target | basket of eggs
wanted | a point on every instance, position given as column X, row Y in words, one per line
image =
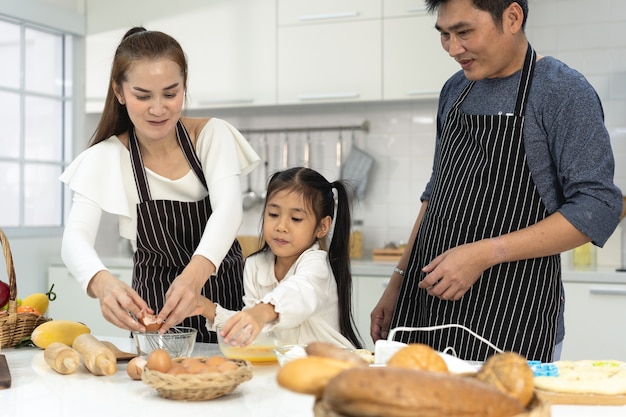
column 15, row 325
column 190, row 378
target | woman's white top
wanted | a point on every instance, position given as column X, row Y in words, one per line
column 102, row 179
column 305, row 297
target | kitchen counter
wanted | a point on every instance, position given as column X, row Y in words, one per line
column 37, row 389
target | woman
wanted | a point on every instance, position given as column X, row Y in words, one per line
column 174, row 184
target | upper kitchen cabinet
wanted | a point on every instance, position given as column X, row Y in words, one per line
column 331, row 59
column 296, row 12
column 399, row 8
column 414, row 63
column 230, row 46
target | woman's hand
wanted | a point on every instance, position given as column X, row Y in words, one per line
column 120, row 304
column 184, row 297
column 380, row 318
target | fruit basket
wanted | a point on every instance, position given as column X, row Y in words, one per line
column 15, row 326
column 197, row 387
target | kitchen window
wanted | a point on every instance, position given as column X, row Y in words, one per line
column 36, row 117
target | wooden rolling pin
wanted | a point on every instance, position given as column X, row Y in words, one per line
column 98, row 358
column 61, row 358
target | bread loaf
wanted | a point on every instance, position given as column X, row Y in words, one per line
column 327, row 350
column 311, row 374
column 418, row 356
column 509, row 372
column 397, row 392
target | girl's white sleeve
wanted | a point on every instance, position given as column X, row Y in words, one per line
column 77, row 247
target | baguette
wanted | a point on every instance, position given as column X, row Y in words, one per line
column 326, row 350
column 398, row 392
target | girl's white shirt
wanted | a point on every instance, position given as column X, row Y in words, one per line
column 305, row 297
column 102, row 179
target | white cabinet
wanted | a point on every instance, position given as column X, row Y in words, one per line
column 396, row 8
column 414, row 63
column 330, row 62
column 73, row 304
column 595, row 318
column 230, row 47
column 367, row 290
column 292, row 12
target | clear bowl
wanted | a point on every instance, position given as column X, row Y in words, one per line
column 262, row 349
column 177, row 341
column 288, row 353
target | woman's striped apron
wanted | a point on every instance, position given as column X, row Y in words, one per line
column 483, row 188
column 168, row 233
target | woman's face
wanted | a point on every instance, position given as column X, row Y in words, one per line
column 153, row 94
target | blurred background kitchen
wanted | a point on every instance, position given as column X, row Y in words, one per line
column 330, row 83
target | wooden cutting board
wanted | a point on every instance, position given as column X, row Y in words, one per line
column 5, row 374
column 563, row 398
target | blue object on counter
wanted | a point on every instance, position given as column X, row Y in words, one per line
column 543, row 369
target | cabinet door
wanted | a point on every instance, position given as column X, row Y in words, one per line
column 367, row 292
column 414, row 63
column 398, row 8
column 292, row 12
column 231, row 49
column 329, row 62
column 73, row 304
column 595, row 318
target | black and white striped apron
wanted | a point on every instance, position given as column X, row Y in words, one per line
column 168, row 233
column 483, row 188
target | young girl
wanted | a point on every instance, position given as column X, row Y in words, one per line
column 293, row 280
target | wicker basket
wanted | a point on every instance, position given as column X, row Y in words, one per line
column 197, row 387
column 15, row 327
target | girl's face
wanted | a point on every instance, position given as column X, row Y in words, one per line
column 289, row 225
column 153, row 94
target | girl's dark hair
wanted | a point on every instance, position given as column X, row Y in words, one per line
column 318, row 195
column 137, row 44
column 495, row 7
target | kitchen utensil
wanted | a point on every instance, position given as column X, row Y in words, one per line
column 119, row 355
column 5, row 374
column 177, row 341
column 356, row 169
column 249, row 197
column 307, row 151
column 285, row 152
column 13, row 326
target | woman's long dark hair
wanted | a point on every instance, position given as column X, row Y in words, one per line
column 318, row 195
column 137, row 44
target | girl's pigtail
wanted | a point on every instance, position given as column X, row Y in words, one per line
column 339, row 256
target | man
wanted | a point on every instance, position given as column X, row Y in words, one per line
column 523, row 170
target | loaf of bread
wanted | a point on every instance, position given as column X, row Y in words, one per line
column 310, row 375
column 418, row 356
column 397, row 392
column 327, row 350
column 509, row 372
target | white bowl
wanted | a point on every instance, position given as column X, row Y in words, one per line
column 288, row 353
column 177, row 341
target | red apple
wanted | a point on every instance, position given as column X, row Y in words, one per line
column 4, row 293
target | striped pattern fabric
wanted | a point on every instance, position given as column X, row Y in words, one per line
column 168, row 233
column 483, row 188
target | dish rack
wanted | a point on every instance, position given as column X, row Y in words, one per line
column 14, row 326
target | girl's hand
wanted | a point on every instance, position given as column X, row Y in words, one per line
column 120, row 304
column 242, row 328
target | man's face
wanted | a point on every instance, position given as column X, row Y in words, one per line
column 473, row 39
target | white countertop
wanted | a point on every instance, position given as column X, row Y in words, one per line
column 38, row 389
